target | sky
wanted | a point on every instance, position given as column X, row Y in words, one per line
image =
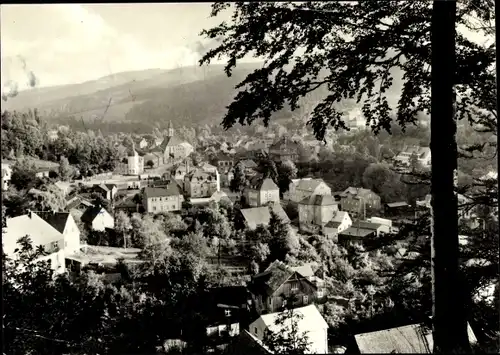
column 55, row 44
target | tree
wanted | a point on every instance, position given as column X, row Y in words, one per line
column 281, row 242
column 150, row 164
column 65, row 170
column 239, row 180
column 123, row 227
column 286, row 336
column 23, row 174
column 48, row 198
column 355, row 35
column 286, row 172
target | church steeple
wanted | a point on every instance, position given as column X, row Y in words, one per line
column 170, row 129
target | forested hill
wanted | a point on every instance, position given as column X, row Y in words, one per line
column 188, row 96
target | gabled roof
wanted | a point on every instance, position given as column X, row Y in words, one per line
column 310, row 321
column 169, row 142
column 319, row 200
column 258, row 182
column 357, row 192
column 410, row 339
column 76, row 201
column 39, row 231
column 262, row 215
column 91, row 213
column 58, row 220
column 171, row 189
column 271, row 279
column 308, row 185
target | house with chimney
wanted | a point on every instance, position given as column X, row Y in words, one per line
column 299, row 189
column 260, row 191
column 284, row 149
column 316, row 211
column 357, row 201
column 254, row 216
column 163, row 199
column 202, row 181
column 56, row 232
column 280, row 286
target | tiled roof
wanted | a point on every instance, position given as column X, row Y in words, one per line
column 357, row 232
column 319, row 200
column 169, row 142
column 172, row 189
column 333, row 224
column 271, row 279
column 261, row 215
column 57, row 220
column 39, row 231
column 257, row 182
column 356, row 191
column 91, row 213
column 308, row 185
column 410, row 339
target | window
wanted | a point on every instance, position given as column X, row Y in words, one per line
column 256, row 331
column 227, row 312
column 320, row 293
column 284, row 303
column 154, row 208
column 295, row 287
column 306, row 299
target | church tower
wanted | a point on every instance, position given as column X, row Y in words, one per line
column 170, row 129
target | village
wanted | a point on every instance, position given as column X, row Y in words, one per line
column 170, row 177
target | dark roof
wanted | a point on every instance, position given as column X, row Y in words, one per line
column 333, row 224
column 228, row 295
column 397, row 204
column 269, row 281
column 169, row 142
column 57, row 220
column 91, row 213
column 266, row 184
column 105, row 187
column 308, row 185
column 358, row 192
column 76, row 201
column 171, row 189
column 357, row 232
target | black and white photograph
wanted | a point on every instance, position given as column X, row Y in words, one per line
column 250, row 178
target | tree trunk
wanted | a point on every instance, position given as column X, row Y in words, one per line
column 449, row 320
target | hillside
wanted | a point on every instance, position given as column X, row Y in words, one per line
column 187, row 96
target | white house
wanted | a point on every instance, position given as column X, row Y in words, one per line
column 300, row 189
column 339, row 223
column 135, row 163
column 6, row 176
column 423, row 155
column 311, row 324
column 98, row 218
column 56, row 232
